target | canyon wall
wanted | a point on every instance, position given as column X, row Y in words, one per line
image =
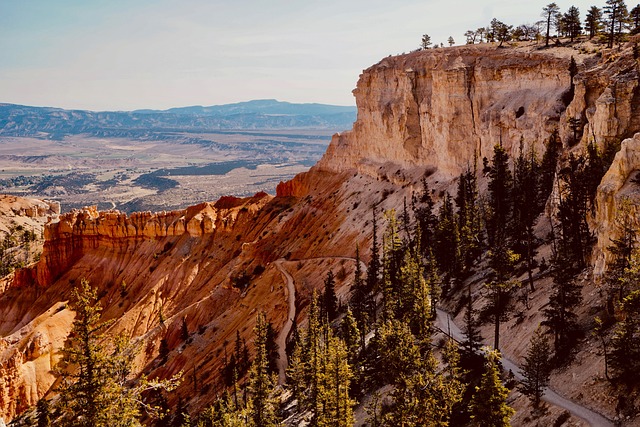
column 440, row 108
column 617, row 201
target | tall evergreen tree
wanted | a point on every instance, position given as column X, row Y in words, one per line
column 489, row 403
column 501, row 258
column 263, row 404
column 447, row 242
column 469, row 219
column 500, row 197
column 525, row 195
column 536, row 369
column 614, row 12
column 548, row 169
column 593, row 21
column 94, row 388
column 625, row 345
column 473, row 338
column 373, row 269
column 621, row 252
column 351, row 336
column 360, row 300
column 571, row 23
column 560, row 316
column 634, row 17
column 550, row 13
column 574, row 190
column 393, row 255
column 85, row 368
column 423, row 208
column 329, row 298
column 502, row 261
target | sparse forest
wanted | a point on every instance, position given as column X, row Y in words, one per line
column 609, row 24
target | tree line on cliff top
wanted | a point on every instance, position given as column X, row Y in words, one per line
column 609, row 24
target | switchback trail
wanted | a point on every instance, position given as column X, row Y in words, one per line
column 281, row 340
column 446, row 324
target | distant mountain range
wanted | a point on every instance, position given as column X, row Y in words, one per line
column 55, row 123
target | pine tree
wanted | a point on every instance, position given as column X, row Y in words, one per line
column 489, row 403
column 576, row 185
column 338, row 410
column 621, row 252
column 469, row 219
column 634, row 16
column 502, row 261
column 525, row 194
column 43, row 413
column 447, row 243
column 263, row 404
column 329, row 299
column 548, row 169
column 550, row 13
column 423, row 210
column 351, row 336
column 425, row 43
column 85, row 371
column 593, row 21
column 536, row 368
column 500, row 197
column 625, row 345
column 95, row 388
column 373, row 269
column 614, row 11
column 360, row 300
column 560, row 316
column 571, row 23
column 393, row 255
column 414, row 302
column 473, row 339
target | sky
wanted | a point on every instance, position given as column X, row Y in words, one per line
column 131, row 54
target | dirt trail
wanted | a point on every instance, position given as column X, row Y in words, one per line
column 281, row 340
column 446, row 324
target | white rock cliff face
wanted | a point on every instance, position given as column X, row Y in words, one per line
column 440, row 108
column 617, row 188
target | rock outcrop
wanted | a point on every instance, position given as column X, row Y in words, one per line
column 79, row 231
column 617, row 200
column 441, row 108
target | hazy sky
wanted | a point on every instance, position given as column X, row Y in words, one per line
column 127, row 54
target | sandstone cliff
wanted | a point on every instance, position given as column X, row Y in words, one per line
column 439, row 109
column 617, row 200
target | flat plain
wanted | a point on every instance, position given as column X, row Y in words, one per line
column 157, row 170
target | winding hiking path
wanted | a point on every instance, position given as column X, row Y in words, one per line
column 446, row 324
column 281, row 340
